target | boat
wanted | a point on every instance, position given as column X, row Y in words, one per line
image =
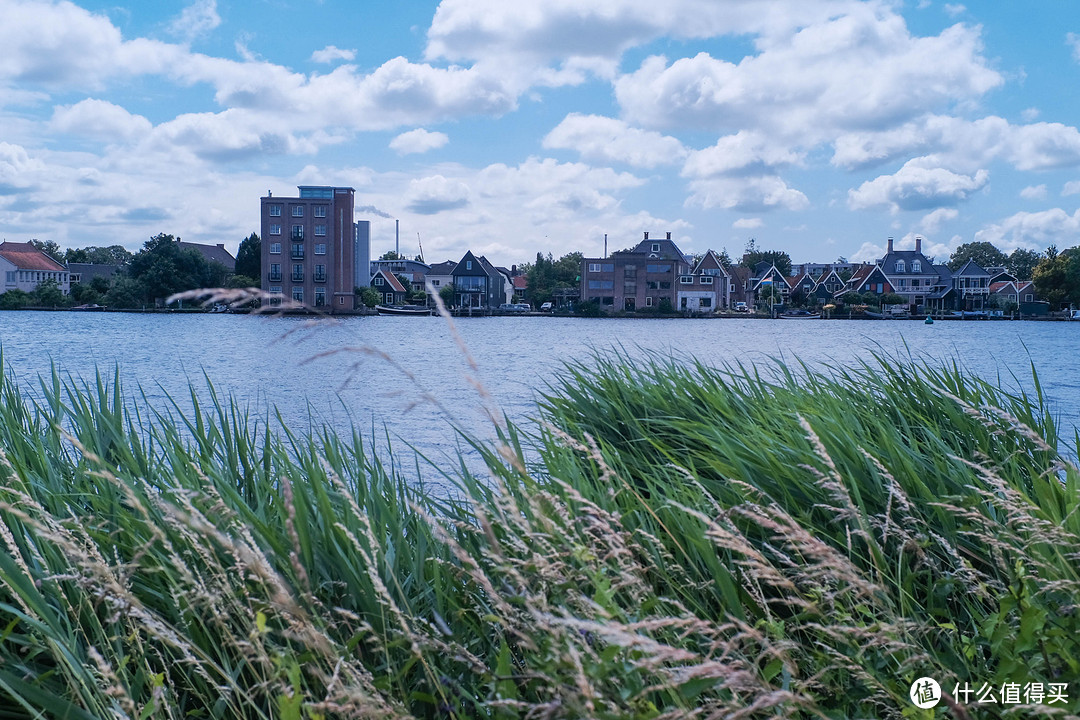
column 402, row 310
column 92, row 307
column 800, row 315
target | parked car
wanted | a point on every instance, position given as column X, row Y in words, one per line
column 514, row 308
column 741, row 307
column 547, row 307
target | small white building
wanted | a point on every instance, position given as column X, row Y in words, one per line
column 24, row 267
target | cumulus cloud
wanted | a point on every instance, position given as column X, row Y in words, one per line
column 748, row 223
column 1033, row 192
column 609, row 140
column 1033, row 230
column 330, row 53
column 861, row 70
column 867, row 253
column 747, row 194
column 436, row 194
column 917, row 187
column 100, row 120
column 932, row 222
column 1073, row 41
column 746, row 152
column 418, row 141
column 1071, row 188
column 197, row 19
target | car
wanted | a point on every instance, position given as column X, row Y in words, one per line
column 514, row 308
column 741, row 307
column 547, row 307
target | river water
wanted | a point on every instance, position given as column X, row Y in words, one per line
column 402, row 377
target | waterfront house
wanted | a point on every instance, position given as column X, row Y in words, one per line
column 478, row 284
column 828, row 285
column 439, row 275
column 971, row 287
column 740, row 285
column 521, row 288
column 86, row 273
column 642, row 277
column 212, row 253
column 413, row 270
column 767, row 276
column 389, row 287
column 867, row 278
column 910, row 273
column 24, row 267
column 706, row 288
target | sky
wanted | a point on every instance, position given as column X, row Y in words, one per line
column 816, row 127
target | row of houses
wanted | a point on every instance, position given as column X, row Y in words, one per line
column 656, row 272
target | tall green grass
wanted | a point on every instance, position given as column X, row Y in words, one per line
column 674, row 540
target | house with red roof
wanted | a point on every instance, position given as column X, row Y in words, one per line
column 389, row 287
column 24, row 267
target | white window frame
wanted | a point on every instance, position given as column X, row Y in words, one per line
column 900, row 266
column 275, row 229
column 916, row 266
column 594, row 267
column 378, row 281
column 648, row 301
column 706, row 280
column 298, row 211
column 275, row 211
column 686, row 279
column 320, row 230
column 656, row 247
column 275, row 248
column 319, row 211
column 320, row 248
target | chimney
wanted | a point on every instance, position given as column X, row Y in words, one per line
column 646, row 234
column 669, row 235
column 221, row 245
column 918, row 244
column 890, row 246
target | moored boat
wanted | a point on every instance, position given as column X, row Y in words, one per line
column 402, row 310
column 800, row 315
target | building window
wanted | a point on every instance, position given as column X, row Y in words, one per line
column 298, row 294
column 656, row 247
column 11, row 276
column 601, row 284
column 665, row 285
column 297, row 232
column 686, row 279
column 657, row 268
column 297, row 272
column 275, row 229
column 899, row 266
column 648, row 302
column 275, row 272
column 320, row 273
column 320, row 296
column 706, row 302
column 275, row 211
column 706, row 279
column 389, row 297
column 378, row 281
column 319, row 211
column 1028, row 297
column 320, row 248
column 468, row 264
column 298, row 211
column 320, row 230
column 630, row 271
column 298, row 251
column 275, row 248
column 594, row 267
column 916, row 266
column 275, row 289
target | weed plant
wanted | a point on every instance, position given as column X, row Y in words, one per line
column 684, row 541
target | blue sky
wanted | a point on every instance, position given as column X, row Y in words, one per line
column 818, row 127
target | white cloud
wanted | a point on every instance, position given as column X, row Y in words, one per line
column 1073, row 41
column 1071, row 188
column 917, row 187
column 867, row 253
column 330, row 53
column 608, row 140
column 418, row 141
column 859, row 71
column 436, row 194
column 100, row 120
column 932, row 222
column 748, row 223
column 954, row 9
column 197, row 19
column 746, row 152
column 746, row 194
column 1033, row 192
column 1033, row 230
column 1030, row 114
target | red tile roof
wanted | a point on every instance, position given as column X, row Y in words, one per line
column 391, row 280
column 521, row 282
column 27, row 257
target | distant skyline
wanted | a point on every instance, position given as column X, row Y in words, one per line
column 817, row 127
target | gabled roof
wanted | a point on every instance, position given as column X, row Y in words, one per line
column 1025, row 286
column 213, row 253
column 1002, row 286
column 443, row 268
column 390, row 279
column 824, row 278
column 971, row 269
column 25, row 256
column 668, row 249
column 797, row 280
column 888, row 263
column 521, row 282
column 710, row 260
column 769, row 272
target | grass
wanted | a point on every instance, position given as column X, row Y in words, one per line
column 682, row 541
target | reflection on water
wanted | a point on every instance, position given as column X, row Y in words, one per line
column 408, row 376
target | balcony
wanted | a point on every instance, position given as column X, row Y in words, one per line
column 274, row 277
column 298, row 277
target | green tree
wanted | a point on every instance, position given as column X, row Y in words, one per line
column 370, row 297
column 249, row 258
column 48, row 294
column 242, row 281
column 14, row 299
column 547, row 275
column 752, row 256
column 162, row 268
column 892, row 299
column 1057, row 277
column 446, row 292
column 1021, row 263
column 111, row 255
column 984, row 254
column 391, row 255
column 124, row 292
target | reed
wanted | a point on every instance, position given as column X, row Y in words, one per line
column 670, row 540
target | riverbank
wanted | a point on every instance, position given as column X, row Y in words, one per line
column 682, row 539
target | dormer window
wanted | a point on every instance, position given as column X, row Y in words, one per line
column 916, row 266
column 899, row 266
column 656, row 247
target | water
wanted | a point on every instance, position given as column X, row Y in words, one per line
column 405, row 376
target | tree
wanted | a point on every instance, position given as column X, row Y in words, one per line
column 242, row 281
column 984, row 254
column 446, row 292
column 1021, row 263
column 48, row 294
column 124, row 293
column 370, row 297
column 1057, row 277
column 892, row 299
column 163, row 268
column 547, row 275
column 111, row 255
column 14, row 299
column 391, row 255
column 752, row 257
column 249, row 258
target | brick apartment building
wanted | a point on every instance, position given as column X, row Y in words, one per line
column 635, row 279
column 309, row 247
